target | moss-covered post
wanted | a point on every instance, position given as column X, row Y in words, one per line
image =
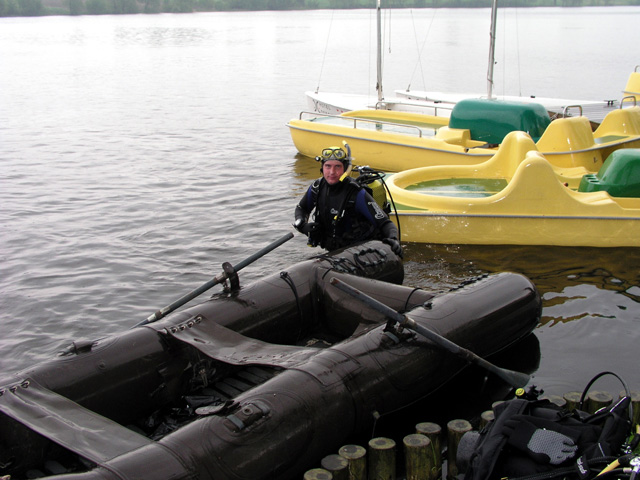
column 455, row 430
column 382, row 459
column 434, row 433
column 337, row 465
column 597, row 400
column 317, row 474
column 357, row 457
column 417, row 456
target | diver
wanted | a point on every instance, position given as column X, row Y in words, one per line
column 345, row 212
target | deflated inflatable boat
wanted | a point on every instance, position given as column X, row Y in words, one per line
column 256, row 382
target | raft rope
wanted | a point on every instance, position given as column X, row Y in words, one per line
column 339, row 264
column 324, row 56
column 289, row 281
column 406, row 303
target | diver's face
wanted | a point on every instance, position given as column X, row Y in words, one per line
column 332, row 170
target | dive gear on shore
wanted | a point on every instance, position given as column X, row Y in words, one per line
column 533, row 438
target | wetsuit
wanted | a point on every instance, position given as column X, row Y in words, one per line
column 345, row 213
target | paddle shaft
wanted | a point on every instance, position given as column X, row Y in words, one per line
column 214, row 281
column 515, row 379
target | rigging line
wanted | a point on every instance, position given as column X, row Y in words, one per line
column 504, row 52
column 518, row 51
column 326, row 47
column 369, row 68
column 386, row 29
column 420, row 50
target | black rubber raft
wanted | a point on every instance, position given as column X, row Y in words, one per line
column 256, row 382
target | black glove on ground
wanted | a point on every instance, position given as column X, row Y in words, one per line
column 542, row 445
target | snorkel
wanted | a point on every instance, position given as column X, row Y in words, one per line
column 347, row 170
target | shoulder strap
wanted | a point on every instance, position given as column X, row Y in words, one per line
column 485, row 456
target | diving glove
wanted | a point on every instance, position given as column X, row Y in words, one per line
column 299, row 224
column 305, row 227
column 394, row 244
column 309, row 228
column 542, row 445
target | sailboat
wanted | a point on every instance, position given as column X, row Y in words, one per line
column 441, row 103
column 338, row 103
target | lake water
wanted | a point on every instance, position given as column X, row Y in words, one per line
column 138, row 153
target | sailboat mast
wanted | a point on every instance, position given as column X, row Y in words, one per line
column 379, row 58
column 492, row 49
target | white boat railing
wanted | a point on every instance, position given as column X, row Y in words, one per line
column 363, row 123
column 422, row 105
column 629, row 98
column 565, row 110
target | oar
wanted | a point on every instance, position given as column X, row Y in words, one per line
column 214, row 281
column 515, row 379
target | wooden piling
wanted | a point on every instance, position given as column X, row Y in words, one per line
column 382, row 459
column 485, row 417
column 596, row 400
column 357, row 458
column 572, row 399
column 317, row 474
column 417, row 456
column 455, row 430
column 434, row 433
column 337, row 465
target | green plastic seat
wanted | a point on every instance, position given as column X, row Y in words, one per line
column 491, row 120
column 619, row 175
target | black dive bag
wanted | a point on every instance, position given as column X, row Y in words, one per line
column 536, row 439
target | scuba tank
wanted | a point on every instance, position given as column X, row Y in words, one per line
column 373, row 181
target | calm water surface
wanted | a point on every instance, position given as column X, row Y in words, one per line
column 138, row 153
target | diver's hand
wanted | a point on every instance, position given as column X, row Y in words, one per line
column 394, row 244
column 309, row 228
column 299, row 224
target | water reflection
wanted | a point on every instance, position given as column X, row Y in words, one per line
column 591, row 310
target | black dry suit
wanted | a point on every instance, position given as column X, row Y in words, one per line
column 345, row 213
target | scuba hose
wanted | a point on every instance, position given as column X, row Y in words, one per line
column 593, row 380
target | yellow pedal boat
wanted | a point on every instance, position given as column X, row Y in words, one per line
column 519, row 198
column 395, row 141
